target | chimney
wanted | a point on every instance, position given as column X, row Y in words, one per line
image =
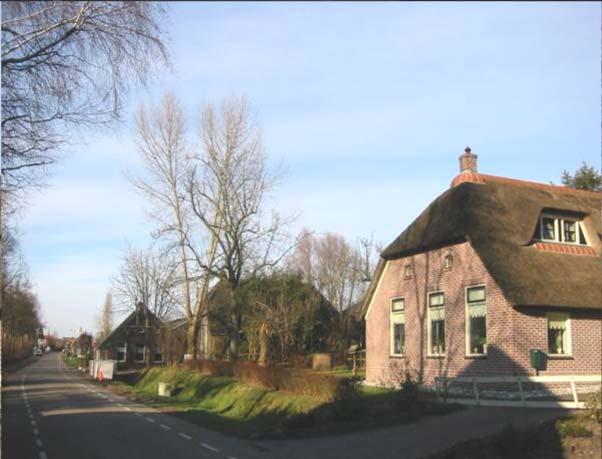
column 468, row 161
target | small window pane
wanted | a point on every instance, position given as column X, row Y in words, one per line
column 157, row 357
column 436, row 299
column 139, row 353
column 448, row 262
column 397, row 305
column 558, row 333
column 437, row 336
column 121, row 354
column 570, row 231
column 478, row 334
column 476, row 294
column 548, row 230
column 398, row 338
column 408, row 270
column 582, row 239
column 537, row 233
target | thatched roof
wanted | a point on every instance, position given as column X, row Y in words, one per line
column 498, row 216
column 137, row 317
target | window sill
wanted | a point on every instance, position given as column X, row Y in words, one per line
column 397, row 356
column 560, row 357
column 436, row 356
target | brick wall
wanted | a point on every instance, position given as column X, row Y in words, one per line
column 511, row 332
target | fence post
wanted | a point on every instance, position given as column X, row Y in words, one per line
column 574, row 389
column 520, row 390
column 475, row 390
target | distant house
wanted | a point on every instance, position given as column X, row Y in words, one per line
column 492, row 268
column 82, row 345
column 135, row 342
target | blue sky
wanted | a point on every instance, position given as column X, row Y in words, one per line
column 367, row 105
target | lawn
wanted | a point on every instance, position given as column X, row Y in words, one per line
column 227, row 405
column 74, row 362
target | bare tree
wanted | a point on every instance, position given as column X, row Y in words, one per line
column 338, row 270
column 149, row 277
column 66, row 65
column 227, row 188
column 163, row 147
column 107, row 316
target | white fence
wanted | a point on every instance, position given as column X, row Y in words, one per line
column 441, row 386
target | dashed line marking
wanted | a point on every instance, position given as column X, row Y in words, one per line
column 36, row 431
column 33, row 423
column 183, row 435
column 150, row 420
column 138, row 414
column 43, row 455
column 163, row 426
column 39, row 442
column 209, row 447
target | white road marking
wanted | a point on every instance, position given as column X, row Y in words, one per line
column 209, row 447
column 36, row 432
column 128, row 408
column 183, row 435
column 43, row 455
column 33, row 423
column 163, row 426
column 138, row 414
column 39, row 442
column 150, row 419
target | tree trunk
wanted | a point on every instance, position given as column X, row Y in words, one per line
column 192, row 337
column 264, row 345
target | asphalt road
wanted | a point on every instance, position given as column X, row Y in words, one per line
column 50, row 413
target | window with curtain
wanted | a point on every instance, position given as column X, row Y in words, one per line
column 476, row 308
column 398, row 326
column 436, row 321
column 558, row 334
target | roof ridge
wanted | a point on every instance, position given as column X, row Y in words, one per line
column 541, row 185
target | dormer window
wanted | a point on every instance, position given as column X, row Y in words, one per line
column 555, row 228
column 448, row 262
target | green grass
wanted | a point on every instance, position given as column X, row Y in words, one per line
column 74, row 362
column 224, row 404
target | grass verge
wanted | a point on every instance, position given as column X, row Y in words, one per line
column 227, row 405
column 74, row 362
column 576, row 437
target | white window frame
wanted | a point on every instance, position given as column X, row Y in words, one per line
column 429, row 353
column 136, row 353
column 559, row 229
column 469, row 352
column 569, row 339
column 125, row 352
column 392, row 314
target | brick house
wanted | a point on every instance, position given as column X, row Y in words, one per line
column 492, row 268
column 135, row 342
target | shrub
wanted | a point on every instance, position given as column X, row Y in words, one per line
column 296, row 381
column 593, row 406
column 572, row 427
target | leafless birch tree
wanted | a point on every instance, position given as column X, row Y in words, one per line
column 67, row 65
column 107, row 316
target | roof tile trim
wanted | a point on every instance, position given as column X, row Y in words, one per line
column 563, row 248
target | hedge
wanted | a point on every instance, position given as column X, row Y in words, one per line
column 302, row 382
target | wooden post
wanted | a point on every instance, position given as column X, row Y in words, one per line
column 475, row 390
column 574, row 389
column 520, row 390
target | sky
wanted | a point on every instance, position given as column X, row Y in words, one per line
column 367, row 106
